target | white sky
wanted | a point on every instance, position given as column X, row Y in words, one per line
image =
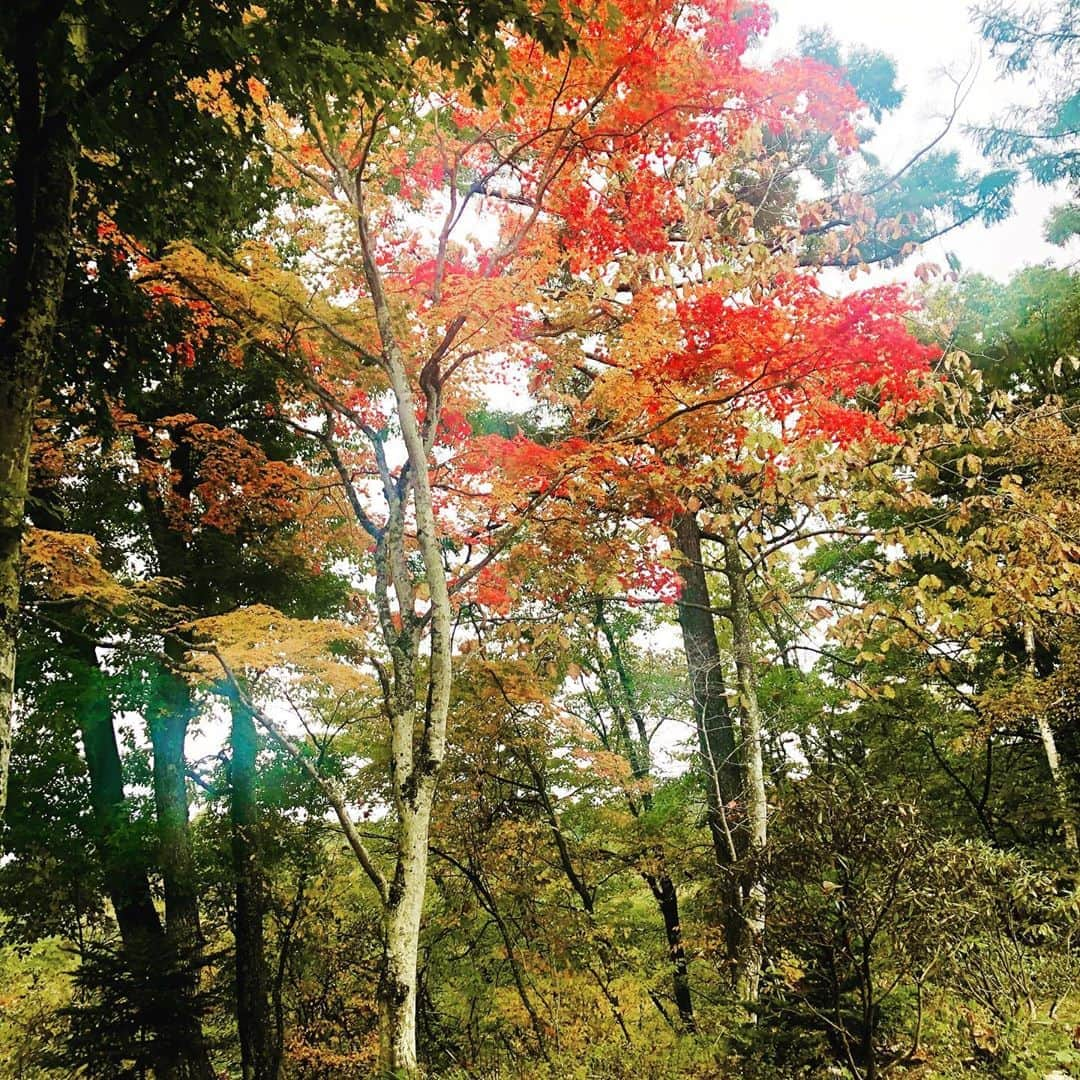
column 930, row 40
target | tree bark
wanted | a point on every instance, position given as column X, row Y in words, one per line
column 667, row 899
column 754, row 797
column 1057, row 780
column 415, row 762
column 259, row 1056
column 712, row 715
column 717, row 744
column 401, row 928
column 168, row 716
column 1053, row 761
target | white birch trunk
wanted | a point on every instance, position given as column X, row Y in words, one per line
column 401, row 927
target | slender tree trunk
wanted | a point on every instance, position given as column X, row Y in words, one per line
column 754, row 797
column 667, row 899
column 42, row 193
column 717, row 743
column 416, row 762
column 401, row 927
column 168, row 717
column 259, row 1059
column 14, row 444
column 1053, row 761
column 580, row 886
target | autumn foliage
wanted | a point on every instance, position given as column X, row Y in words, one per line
column 561, row 541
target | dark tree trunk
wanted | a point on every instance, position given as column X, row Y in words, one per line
column 717, row 743
column 145, row 944
column 660, row 883
column 259, row 1057
column 125, row 872
column 42, row 193
column 712, row 715
column 168, row 716
column 667, row 899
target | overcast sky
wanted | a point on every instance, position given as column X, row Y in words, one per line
column 931, row 40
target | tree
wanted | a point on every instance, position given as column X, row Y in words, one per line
column 731, row 433
column 207, row 502
column 985, row 540
column 453, row 636
column 1041, row 42
column 70, row 88
column 428, row 306
column 98, row 103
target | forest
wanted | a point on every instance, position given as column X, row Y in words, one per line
column 519, row 560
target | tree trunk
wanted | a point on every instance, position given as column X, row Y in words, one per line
column 401, row 928
column 667, row 899
column 125, row 877
column 14, row 444
column 581, row 887
column 416, row 762
column 717, row 744
column 712, row 715
column 754, row 798
column 168, row 716
column 1053, row 761
column 259, row 1059
column 146, row 947
column 42, row 192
